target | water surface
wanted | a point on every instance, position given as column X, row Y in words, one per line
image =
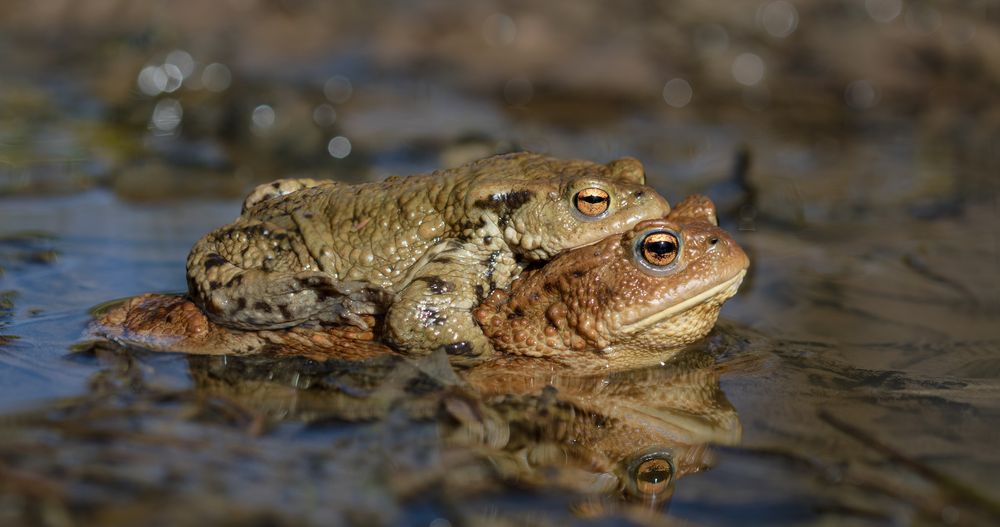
column 854, row 380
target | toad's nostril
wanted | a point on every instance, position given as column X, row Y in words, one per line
column 713, row 241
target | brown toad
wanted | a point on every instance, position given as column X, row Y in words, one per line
column 626, row 300
column 424, row 250
column 631, row 299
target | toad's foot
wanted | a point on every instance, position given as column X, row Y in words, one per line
column 435, row 310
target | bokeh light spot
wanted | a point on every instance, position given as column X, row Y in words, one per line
column 152, row 80
column 216, row 77
column 338, row 89
column 167, row 115
column 174, row 77
column 712, row 39
column 884, row 11
column 779, row 18
column 499, row 30
column 861, row 95
column 182, row 60
column 339, row 147
column 677, row 93
column 324, row 115
column 262, row 118
column 748, row 69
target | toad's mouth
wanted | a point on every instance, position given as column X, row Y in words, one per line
column 680, row 307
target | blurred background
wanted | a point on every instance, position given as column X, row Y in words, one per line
column 853, row 148
column 845, row 107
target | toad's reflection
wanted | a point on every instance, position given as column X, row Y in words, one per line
column 621, row 436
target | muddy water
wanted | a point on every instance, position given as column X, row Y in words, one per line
column 854, row 380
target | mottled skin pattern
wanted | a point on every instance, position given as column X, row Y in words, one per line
column 424, row 250
column 594, row 307
column 601, row 303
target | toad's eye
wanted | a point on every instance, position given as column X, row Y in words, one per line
column 650, row 476
column 653, row 476
column 592, row 201
column 659, row 249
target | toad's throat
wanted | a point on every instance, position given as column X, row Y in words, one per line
column 681, row 307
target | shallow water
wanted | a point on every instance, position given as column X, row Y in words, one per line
column 855, row 379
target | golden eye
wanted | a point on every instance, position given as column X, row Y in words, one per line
column 592, row 201
column 659, row 248
column 653, row 476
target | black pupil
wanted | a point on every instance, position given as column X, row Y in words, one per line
column 655, row 475
column 661, row 247
column 593, row 199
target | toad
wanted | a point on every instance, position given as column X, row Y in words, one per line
column 422, row 250
column 629, row 300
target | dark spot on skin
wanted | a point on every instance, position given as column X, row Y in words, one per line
column 235, row 281
column 550, row 287
column 443, row 259
column 307, row 215
column 577, row 274
column 437, row 285
column 213, row 260
column 459, row 348
column 505, row 204
column 241, row 303
column 480, row 292
column 323, row 294
column 214, row 284
column 604, row 294
column 276, row 185
column 310, row 282
column 517, row 313
column 490, row 262
column 376, row 295
column 285, row 312
column 262, row 306
column 430, row 317
column 512, row 200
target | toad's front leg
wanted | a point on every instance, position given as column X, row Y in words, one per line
column 435, row 309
